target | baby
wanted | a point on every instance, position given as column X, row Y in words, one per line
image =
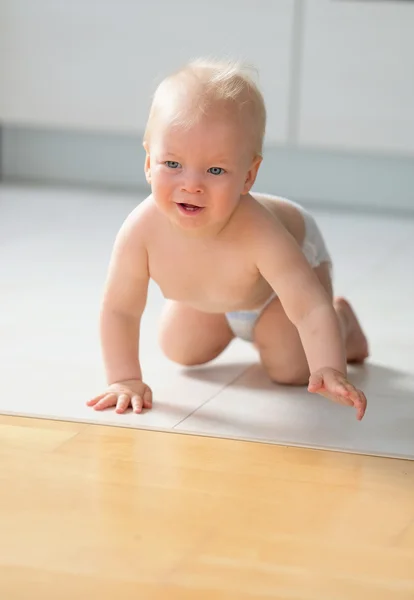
column 230, row 262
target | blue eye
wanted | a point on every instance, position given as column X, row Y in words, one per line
column 216, row 171
column 172, row 164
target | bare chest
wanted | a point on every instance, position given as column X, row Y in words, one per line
column 212, row 280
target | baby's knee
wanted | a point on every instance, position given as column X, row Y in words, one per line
column 185, row 360
column 174, row 351
column 187, row 355
column 178, row 356
column 288, row 374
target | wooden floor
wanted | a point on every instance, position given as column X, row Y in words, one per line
column 117, row 513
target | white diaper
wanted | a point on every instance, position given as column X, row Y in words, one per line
column 242, row 322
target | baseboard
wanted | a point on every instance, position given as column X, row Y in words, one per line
column 310, row 176
column 72, row 157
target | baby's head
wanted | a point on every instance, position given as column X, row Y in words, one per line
column 204, row 140
column 204, row 88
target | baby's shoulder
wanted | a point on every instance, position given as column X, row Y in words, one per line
column 278, row 214
column 259, row 216
column 141, row 218
column 135, row 231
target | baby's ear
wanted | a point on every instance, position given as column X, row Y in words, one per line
column 252, row 174
column 147, row 164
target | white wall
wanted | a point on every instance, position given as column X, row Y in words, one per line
column 337, row 73
column 93, row 64
column 76, row 78
column 357, row 85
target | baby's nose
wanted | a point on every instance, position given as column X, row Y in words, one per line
column 192, row 185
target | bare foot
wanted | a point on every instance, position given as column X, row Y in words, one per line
column 356, row 342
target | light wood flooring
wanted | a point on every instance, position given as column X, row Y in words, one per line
column 120, row 513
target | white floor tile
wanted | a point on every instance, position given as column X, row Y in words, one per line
column 253, row 408
column 54, row 250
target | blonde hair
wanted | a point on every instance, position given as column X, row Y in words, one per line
column 203, row 84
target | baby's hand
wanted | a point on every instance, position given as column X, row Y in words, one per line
column 122, row 394
column 333, row 385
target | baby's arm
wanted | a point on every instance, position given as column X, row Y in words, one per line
column 310, row 308
column 305, row 301
column 123, row 303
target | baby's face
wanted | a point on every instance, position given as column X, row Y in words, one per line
column 198, row 175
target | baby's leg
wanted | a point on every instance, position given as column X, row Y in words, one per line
column 279, row 344
column 190, row 337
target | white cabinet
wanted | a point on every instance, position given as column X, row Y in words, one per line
column 357, row 79
column 93, row 65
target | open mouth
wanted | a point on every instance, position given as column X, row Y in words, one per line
column 189, row 208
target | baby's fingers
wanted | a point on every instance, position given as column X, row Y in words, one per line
column 357, row 398
column 123, row 403
column 338, row 398
column 360, row 404
column 147, row 398
column 315, row 382
column 342, row 389
column 105, row 401
column 95, row 400
column 137, row 403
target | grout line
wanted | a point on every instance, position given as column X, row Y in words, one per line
column 213, row 396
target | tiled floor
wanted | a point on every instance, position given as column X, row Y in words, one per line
column 55, row 246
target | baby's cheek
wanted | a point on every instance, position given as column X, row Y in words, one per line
column 161, row 184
